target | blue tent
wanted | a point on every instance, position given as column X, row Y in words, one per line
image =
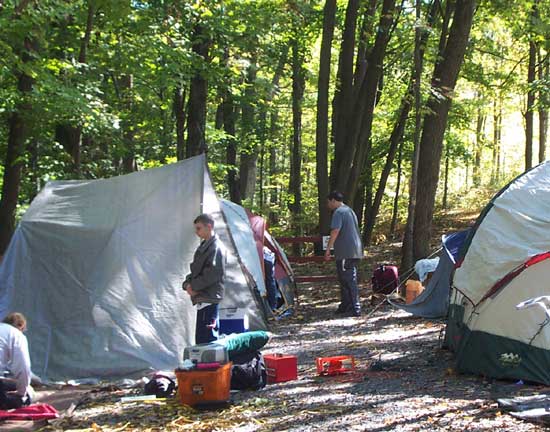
column 433, row 302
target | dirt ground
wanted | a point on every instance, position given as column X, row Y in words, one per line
column 404, row 380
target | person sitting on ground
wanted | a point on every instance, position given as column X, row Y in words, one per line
column 205, row 283
column 14, row 356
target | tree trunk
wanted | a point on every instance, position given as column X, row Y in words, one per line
column 70, row 135
column 395, row 210
column 295, row 185
column 321, row 133
column 343, row 96
column 363, row 46
column 198, row 96
column 435, row 121
column 359, row 130
column 18, row 130
column 544, row 101
column 421, row 38
column 128, row 160
column 273, row 216
column 395, row 139
column 229, row 122
column 268, row 134
column 480, row 126
column 531, row 76
column 497, row 121
column 179, row 113
column 249, row 152
column 446, row 182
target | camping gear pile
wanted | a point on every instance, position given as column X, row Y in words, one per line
column 209, row 371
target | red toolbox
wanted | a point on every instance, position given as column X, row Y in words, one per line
column 204, row 387
column 281, row 367
column 335, row 365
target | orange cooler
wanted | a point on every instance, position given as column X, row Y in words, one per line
column 413, row 289
column 198, row 387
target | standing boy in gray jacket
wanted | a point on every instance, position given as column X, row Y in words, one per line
column 205, row 282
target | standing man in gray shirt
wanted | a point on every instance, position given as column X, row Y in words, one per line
column 348, row 251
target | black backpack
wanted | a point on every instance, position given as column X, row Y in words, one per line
column 248, row 372
column 160, row 385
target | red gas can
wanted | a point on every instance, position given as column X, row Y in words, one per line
column 281, row 367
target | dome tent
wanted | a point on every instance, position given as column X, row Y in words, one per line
column 505, row 261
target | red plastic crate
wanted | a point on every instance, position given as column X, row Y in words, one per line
column 281, row 367
column 335, row 365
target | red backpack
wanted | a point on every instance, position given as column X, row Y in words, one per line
column 385, row 279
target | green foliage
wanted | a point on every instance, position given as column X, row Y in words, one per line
column 151, row 41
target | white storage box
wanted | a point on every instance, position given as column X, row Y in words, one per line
column 206, row 353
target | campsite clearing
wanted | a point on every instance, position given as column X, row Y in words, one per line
column 404, row 381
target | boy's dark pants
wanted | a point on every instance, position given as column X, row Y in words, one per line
column 207, row 324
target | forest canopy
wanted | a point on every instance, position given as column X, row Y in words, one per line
column 404, row 106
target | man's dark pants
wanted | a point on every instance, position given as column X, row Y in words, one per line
column 207, row 324
column 349, row 292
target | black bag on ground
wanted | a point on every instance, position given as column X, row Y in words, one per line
column 248, row 372
column 160, row 385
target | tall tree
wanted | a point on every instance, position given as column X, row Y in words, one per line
column 198, row 94
column 435, row 121
column 359, row 125
column 321, row 135
column 69, row 135
column 298, row 88
column 543, row 76
column 249, row 151
column 18, row 130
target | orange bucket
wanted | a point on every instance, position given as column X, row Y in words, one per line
column 413, row 290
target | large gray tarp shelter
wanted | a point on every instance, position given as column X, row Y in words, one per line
column 96, row 266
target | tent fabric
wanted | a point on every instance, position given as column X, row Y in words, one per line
column 517, row 225
column 505, row 262
column 243, row 235
column 96, row 266
column 433, row 302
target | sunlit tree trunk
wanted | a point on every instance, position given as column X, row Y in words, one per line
column 544, row 101
column 531, row 92
column 478, row 146
column 497, row 122
column 529, row 109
